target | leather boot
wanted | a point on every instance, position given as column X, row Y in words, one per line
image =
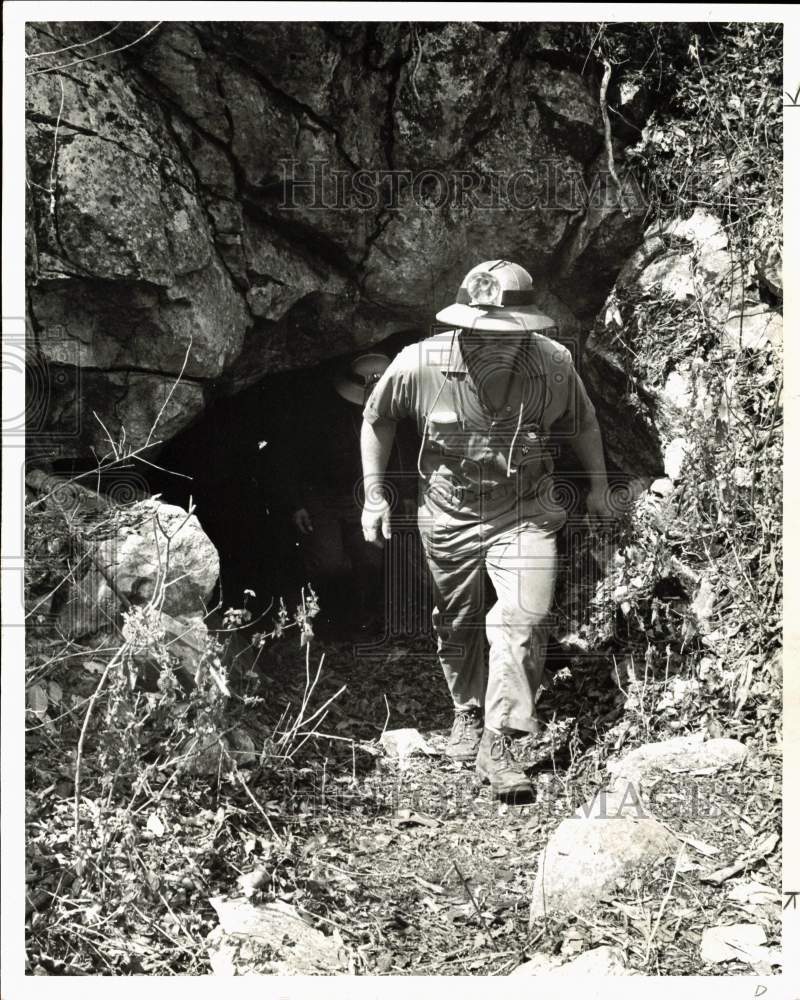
column 496, row 765
column 465, row 736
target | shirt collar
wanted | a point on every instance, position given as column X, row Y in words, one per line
column 451, row 360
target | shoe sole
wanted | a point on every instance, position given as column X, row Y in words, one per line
column 461, row 757
column 502, row 793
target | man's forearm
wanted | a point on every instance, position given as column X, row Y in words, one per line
column 588, row 446
column 376, row 447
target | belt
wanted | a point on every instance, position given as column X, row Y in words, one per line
column 459, row 492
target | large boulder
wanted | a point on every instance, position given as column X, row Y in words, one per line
column 128, row 551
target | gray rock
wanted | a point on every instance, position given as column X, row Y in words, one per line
column 738, row 942
column 190, row 203
column 159, row 543
column 662, row 487
column 139, row 326
column 128, row 401
column 588, row 852
column 128, row 549
column 674, row 454
column 679, row 755
column 603, row 961
column 187, row 640
column 756, row 327
column 211, row 754
column 769, row 265
column 272, row 939
column 686, row 261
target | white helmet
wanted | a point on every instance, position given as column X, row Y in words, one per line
column 496, row 295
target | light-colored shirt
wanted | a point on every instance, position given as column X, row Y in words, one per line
column 464, row 441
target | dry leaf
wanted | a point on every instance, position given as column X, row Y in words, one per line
column 37, row 700
column 699, row 845
column 406, row 817
column 744, row 942
column 753, row 892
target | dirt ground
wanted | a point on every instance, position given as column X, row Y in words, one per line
column 410, row 864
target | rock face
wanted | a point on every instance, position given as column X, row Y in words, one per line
column 248, row 197
column 685, row 263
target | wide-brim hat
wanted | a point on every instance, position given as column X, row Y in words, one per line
column 496, row 296
column 356, row 382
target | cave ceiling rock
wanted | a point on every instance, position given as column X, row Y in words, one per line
column 189, row 200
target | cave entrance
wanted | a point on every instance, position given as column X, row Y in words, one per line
column 248, row 463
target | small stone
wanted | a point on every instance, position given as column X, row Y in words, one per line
column 753, row 892
column 402, row 743
column 269, row 939
column 677, row 390
column 674, row 455
column 703, row 602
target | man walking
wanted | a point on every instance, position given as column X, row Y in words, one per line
column 490, row 398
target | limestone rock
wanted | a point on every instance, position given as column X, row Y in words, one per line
column 109, row 328
column 679, row 755
column 769, row 265
column 674, row 454
column 179, row 62
column 738, row 942
column 159, row 542
column 662, row 487
column 604, row 840
column 756, row 328
column 603, row 961
column 769, row 251
column 402, row 743
column 755, row 893
column 186, row 639
column 272, row 939
column 129, row 403
column 126, row 550
column 209, row 755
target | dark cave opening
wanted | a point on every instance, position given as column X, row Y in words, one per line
column 242, row 458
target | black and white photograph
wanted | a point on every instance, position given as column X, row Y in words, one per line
column 393, row 495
